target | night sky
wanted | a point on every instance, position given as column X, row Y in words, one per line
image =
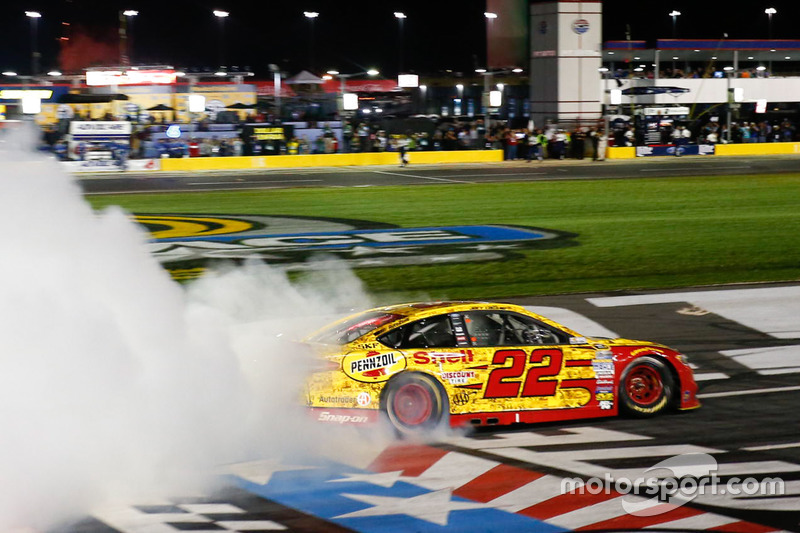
column 349, row 36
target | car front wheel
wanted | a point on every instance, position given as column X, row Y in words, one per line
column 645, row 387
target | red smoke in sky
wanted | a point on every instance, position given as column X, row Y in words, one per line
column 83, row 50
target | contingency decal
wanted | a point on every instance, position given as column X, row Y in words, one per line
column 186, row 244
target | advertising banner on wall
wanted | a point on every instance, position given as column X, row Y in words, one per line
column 671, row 149
column 111, row 165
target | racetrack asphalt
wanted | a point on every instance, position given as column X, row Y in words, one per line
column 371, row 176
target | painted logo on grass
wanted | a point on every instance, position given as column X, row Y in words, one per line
column 672, row 483
column 303, row 243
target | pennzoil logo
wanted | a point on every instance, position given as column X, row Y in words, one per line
column 186, row 241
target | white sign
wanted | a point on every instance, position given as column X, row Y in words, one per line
column 350, row 101
column 130, row 77
column 197, row 103
column 31, row 104
column 408, row 80
column 100, row 128
column 681, row 110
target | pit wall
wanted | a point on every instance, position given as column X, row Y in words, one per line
column 328, row 160
column 629, row 152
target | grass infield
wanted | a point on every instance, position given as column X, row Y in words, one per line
column 631, row 234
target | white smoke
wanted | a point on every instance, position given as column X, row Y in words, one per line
column 116, row 383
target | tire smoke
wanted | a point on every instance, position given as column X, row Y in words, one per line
column 116, row 382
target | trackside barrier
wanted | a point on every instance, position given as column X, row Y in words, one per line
column 328, row 160
column 629, row 152
column 621, row 152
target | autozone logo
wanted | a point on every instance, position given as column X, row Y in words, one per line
column 325, row 416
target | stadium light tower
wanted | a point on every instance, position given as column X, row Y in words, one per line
column 311, row 16
column 401, row 17
column 674, row 14
column 34, row 16
column 126, row 34
column 770, row 11
column 221, row 16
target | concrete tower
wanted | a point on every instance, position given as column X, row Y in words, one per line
column 565, row 57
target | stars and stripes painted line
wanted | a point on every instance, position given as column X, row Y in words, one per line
column 414, row 487
column 368, row 501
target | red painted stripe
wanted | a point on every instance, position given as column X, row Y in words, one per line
column 668, row 513
column 564, row 504
column 743, row 527
column 498, row 481
column 412, row 459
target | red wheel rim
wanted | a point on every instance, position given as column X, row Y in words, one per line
column 643, row 385
column 412, row 404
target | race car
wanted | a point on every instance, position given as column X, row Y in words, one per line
column 428, row 365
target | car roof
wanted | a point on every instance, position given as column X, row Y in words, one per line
column 432, row 308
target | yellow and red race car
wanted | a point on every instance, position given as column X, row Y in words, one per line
column 425, row 365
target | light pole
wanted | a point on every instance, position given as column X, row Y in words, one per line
column 311, row 16
column 221, row 16
column 401, row 17
column 34, row 16
column 489, row 26
column 770, row 11
column 674, row 14
column 126, row 34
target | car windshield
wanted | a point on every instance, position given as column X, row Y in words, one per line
column 353, row 328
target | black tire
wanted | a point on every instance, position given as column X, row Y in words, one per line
column 415, row 403
column 645, row 388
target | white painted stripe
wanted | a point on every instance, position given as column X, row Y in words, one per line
column 746, row 392
column 251, row 525
column 744, row 468
column 452, row 471
column 592, row 514
column 772, row 447
column 537, row 491
column 777, row 371
column 211, row 508
column 240, row 182
column 708, row 376
column 700, row 521
column 690, row 169
column 568, row 436
column 763, row 358
column 755, row 467
column 771, row 310
column 405, row 175
column 580, row 460
column 573, row 320
column 518, row 174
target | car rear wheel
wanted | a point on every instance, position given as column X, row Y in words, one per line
column 415, row 403
column 645, row 387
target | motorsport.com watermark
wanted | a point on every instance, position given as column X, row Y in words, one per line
column 672, row 483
